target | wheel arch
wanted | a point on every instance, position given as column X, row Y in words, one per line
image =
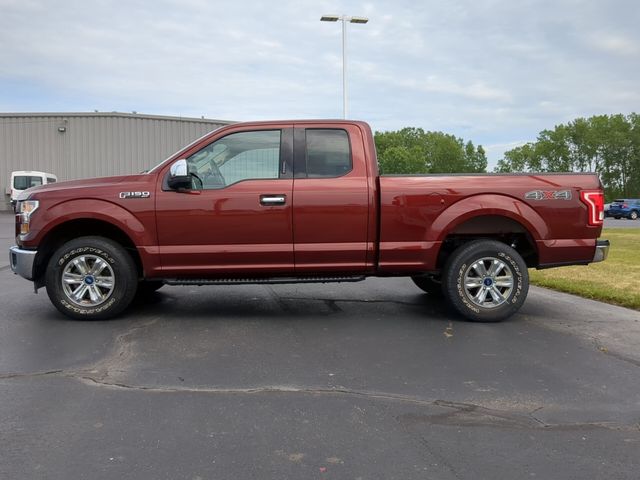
column 488, row 216
column 75, row 228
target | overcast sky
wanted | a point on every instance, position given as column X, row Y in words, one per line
column 492, row 71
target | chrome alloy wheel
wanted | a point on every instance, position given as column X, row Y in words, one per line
column 488, row 282
column 88, row 280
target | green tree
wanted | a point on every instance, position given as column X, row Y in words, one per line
column 401, row 159
column 606, row 144
column 412, row 150
column 519, row 159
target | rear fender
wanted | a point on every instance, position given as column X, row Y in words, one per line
column 488, row 204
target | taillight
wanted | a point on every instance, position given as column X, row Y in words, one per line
column 594, row 200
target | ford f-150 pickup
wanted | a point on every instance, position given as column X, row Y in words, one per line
column 301, row 201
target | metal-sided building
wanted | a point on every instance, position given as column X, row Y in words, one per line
column 84, row 145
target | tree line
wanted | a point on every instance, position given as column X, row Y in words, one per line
column 606, row 144
column 412, row 150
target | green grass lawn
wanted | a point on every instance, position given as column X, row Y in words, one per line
column 616, row 280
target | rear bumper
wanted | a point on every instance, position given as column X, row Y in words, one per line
column 602, row 251
column 22, row 261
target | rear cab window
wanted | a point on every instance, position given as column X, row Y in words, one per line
column 328, row 153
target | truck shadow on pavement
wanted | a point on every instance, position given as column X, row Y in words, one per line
column 170, row 303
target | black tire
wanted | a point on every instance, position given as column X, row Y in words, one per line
column 428, row 285
column 105, row 275
column 633, row 215
column 463, row 270
column 147, row 288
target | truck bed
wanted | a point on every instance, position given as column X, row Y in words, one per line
column 419, row 212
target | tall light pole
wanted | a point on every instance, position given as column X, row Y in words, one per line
column 344, row 19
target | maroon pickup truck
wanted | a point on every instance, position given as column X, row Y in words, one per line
column 301, row 201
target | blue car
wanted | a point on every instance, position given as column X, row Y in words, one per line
column 624, row 207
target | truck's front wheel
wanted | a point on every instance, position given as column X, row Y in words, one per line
column 91, row 278
column 486, row 281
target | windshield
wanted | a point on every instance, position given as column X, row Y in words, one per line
column 22, row 182
column 181, row 149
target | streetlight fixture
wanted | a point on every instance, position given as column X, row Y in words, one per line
column 344, row 19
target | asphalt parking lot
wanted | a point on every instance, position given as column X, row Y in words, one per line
column 621, row 223
column 373, row 380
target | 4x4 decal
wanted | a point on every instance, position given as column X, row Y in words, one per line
column 548, row 195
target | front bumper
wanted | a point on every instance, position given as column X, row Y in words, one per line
column 602, row 251
column 22, row 261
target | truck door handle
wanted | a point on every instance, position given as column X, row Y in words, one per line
column 269, row 200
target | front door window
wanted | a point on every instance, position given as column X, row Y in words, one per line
column 236, row 157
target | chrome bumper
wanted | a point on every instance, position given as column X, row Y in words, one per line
column 22, row 261
column 602, row 251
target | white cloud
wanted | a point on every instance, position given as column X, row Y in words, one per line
column 495, row 72
column 616, row 44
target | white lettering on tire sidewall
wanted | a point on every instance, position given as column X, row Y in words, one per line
column 80, row 251
column 515, row 294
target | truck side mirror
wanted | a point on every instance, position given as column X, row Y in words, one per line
column 179, row 177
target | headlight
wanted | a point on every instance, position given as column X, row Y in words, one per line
column 25, row 210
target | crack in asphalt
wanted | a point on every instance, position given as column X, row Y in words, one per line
column 100, row 374
column 619, row 356
column 459, row 414
column 426, row 444
column 4, row 376
column 122, row 349
column 469, row 414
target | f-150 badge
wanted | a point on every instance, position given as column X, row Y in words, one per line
column 135, row 194
column 548, row 195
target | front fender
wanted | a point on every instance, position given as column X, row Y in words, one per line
column 55, row 215
column 488, row 204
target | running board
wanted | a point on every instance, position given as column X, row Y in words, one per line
column 271, row 281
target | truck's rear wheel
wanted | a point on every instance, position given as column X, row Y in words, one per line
column 486, row 281
column 91, row 278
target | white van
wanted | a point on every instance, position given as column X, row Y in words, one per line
column 23, row 179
